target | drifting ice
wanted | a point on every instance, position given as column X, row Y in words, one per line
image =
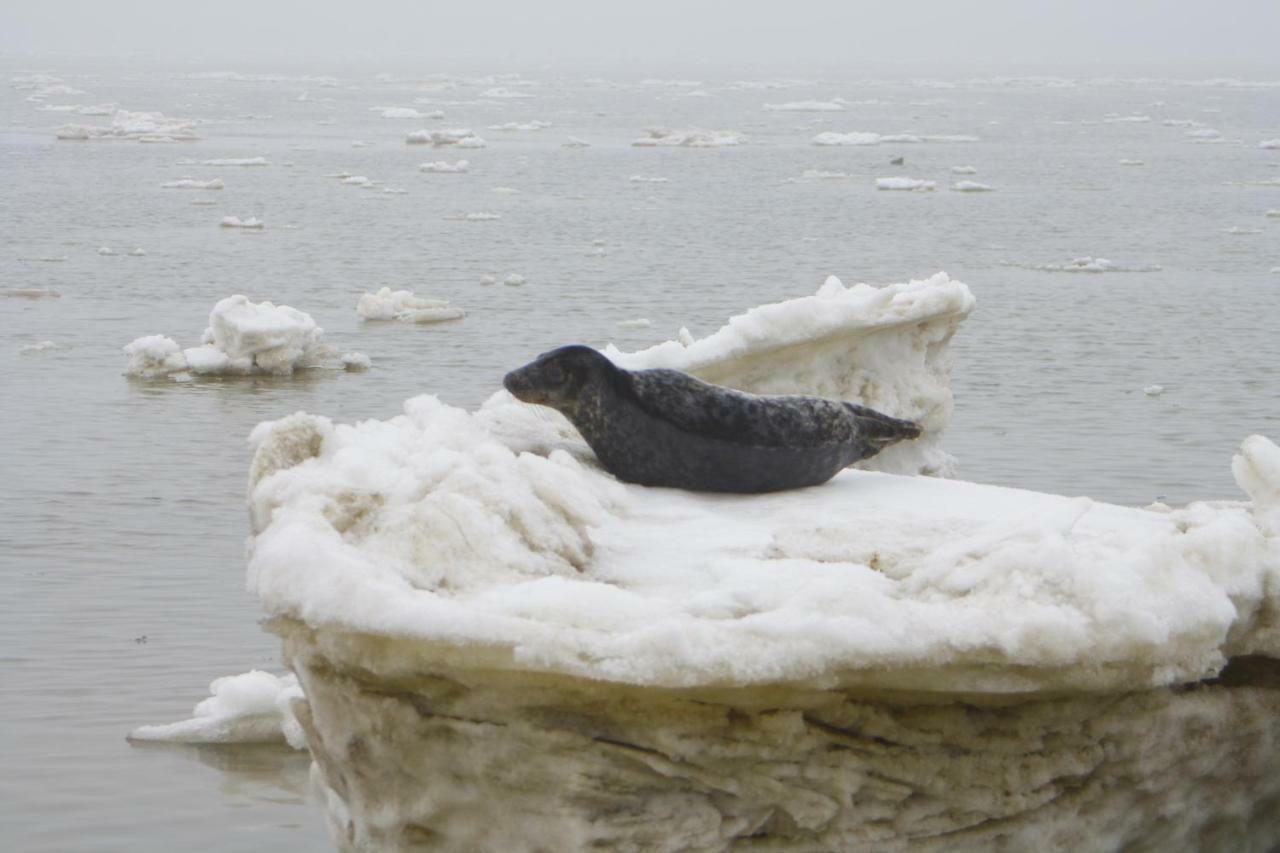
column 404, row 305
column 193, row 184
column 252, row 223
column 911, row 184
column 688, row 139
column 445, row 167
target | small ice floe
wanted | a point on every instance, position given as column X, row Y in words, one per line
column 662, row 138
column 909, row 184
column 1273, row 214
column 1153, row 390
column 1205, row 134
column 513, row 280
column 1237, row 231
column 252, row 223
column 356, row 361
column 505, row 190
column 30, row 293
column 1093, row 265
column 832, row 106
column 356, row 181
column 406, row 113
column 971, row 187
column 138, row 253
column 459, row 137
column 575, row 142
column 638, row 323
column 641, row 179
column 1272, row 144
column 242, row 338
column 106, row 250
column 1275, row 270
column 238, row 161
column 359, row 143
column 46, row 259
column 685, row 337
column 445, row 167
column 394, row 190
column 488, row 279
column 1128, row 162
column 479, row 216
column 503, row 93
column 963, row 170
column 254, row 707
column 193, row 184
column 406, row 306
column 517, row 125
column 830, row 138
column 1119, row 119
column 811, row 174
column 38, row 346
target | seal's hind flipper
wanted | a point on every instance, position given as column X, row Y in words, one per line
column 880, row 430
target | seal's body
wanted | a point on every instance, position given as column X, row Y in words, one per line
column 666, row 428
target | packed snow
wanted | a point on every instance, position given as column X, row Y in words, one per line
column 971, row 187
column 243, row 338
column 661, row 138
column 445, row 167
column 253, row 223
column 909, row 184
column 406, row 306
column 254, row 707
column 193, row 184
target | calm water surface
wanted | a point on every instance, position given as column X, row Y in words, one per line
column 122, row 524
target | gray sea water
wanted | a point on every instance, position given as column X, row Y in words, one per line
column 122, row 523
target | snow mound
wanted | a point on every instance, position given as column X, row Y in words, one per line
column 908, row 184
column 663, row 138
column 254, row 707
column 404, row 305
column 243, row 338
column 834, row 106
column 971, row 187
column 445, row 167
column 253, row 223
column 193, row 184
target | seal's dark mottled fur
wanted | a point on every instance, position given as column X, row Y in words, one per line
column 666, row 428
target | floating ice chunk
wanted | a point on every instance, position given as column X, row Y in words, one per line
column 405, row 306
column 513, row 280
column 971, row 187
column 504, row 93
column 139, row 126
column 910, row 184
column 478, row 216
column 1272, row 144
column 208, row 360
column 662, row 138
column 505, row 190
column 461, row 137
column 963, row 170
column 470, row 142
column 238, row 161
column 359, row 143
column 637, row 323
column 254, row 707
column 106, row 250
column 488, row 279
column 818, row 173
column 1093, row 265
column 856, row 138
column 517, row 125
column 153, row 356
column 193, row 184
column 1204, row 133
column 138, row 253
column 641, row 179
column 1127, row 162
column 409, row 113
column 356, row 181
column 38, row 346
column 1119, row 119
column 1273, row 214
column 253, row 223
column 277, row 337
column 445, row 167
column 909, row 138
column 356, row 361
column 1237, row 231
column 1153, row 390
column 807, row 106
column 575, row 142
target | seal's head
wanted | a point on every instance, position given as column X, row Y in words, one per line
column 556, row 378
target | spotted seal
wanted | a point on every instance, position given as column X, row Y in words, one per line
column 666, row 428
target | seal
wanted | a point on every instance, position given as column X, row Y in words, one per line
column 667, row 428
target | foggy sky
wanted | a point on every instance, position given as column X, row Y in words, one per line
column 1177, row 38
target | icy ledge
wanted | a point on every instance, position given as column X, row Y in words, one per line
column 502, row 647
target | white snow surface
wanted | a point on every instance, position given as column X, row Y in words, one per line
column 243, row 337
column 490, row 535
column 406, row 306
column 253, row 707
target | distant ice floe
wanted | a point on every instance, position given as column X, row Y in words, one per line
column 514, row 280
column 909, row 184
column 30, row 293
column 963, row 170
column 488, row 279
column 833, row 106
column 1236, row 230
column 641, row 179
column 407, row 307
column 238, row 161
column 137, row 126
column 243, row 338
column 1090, row 265
column 661, row 138
column 252, row 223
column 505, row 190
column 517, row 125
column 638, row 323
column 37, row 347
column 445, row 167
column 971, row 187
column 1272, row 144
column 193, row 184
column 355, row 361
column 254, row 707
column 1129, row 162
column 1273, row 214
column 575, row 142
column 356, row 181
column 1153, row 390
column 106, row 250
column 408, row 113
column 458, row 137
column 824, row 175
column 1205, row 134
column 864, row 138
column 138, row 253
column 503, row 93
column 479, row 216
column 1119, row 119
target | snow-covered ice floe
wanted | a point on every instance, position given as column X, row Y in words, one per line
column 832, row 106
column 1272, row 144
column 575, row 142
column 253, row 223
column 1091, row 264
column 662, row 138
column 643, row 179
column 242, row 338
column 193, row 184
column 910, row 184
column 254, row 707
column 445, row 167
column 137, row 126
column 830, row 138
column 502, row 647
column 1131, row 162
column 458, row 137
column 238, row 161
column 521, row 125
column 406, row 306
column 971, row 187
column 963, row 170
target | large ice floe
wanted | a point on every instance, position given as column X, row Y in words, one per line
column 406, row 306
column 501, row 647
column 242, row 338
column 137, row 126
